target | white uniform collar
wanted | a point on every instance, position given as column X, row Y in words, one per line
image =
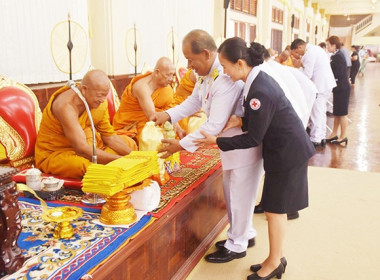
column 215, row 69
column 251, row 77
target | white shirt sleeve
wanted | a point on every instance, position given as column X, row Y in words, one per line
column 225, row 95
column 308, row 61
column 190, row 106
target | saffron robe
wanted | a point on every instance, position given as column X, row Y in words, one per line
column 53, row 151
column 130, row 119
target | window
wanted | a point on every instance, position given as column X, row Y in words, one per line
column 242, row 30
column 245, row 6
column 276, row 43
column 277, row 15
column 252, row 33
column 297, row 22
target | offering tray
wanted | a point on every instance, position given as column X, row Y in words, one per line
column 62, row 216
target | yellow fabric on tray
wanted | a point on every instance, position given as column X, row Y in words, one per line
column 130, row 118
column 121, row 173
column 53, row 151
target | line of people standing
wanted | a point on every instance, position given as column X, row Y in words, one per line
column 262, row 119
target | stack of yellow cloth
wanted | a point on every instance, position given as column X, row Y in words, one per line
column 124, row 172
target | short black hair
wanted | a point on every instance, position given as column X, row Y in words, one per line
column 296, row 43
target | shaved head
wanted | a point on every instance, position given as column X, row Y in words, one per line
column 164, row 63
column 164, row 72
column 95, row 79
column 95, row 87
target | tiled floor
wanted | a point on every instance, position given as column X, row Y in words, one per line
column 363, row 150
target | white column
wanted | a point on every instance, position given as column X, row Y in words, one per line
column 264, row 22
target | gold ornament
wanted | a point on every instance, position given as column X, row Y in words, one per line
column 118, row 210
column 62, row 216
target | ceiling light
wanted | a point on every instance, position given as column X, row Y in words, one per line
column 374, row 1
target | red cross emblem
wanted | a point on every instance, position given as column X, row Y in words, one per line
column 255, row 104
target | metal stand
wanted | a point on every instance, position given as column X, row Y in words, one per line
column 89, row 198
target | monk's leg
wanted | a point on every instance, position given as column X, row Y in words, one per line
column 65, row 164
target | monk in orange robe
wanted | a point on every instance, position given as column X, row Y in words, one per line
column 146, row 94
column 64, row 141
column 285, row 58
column 184, row 90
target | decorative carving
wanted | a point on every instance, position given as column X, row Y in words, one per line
column 12, row 141
column 11, row 258
column 5, row 82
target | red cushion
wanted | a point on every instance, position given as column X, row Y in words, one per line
column 181, row 72
column 69, row 183
column 18, row 110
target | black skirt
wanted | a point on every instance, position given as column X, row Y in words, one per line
column 341, row 97
column 286, row 192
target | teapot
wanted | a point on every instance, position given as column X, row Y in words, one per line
column 33, row 179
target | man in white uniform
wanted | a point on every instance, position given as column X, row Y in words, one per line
column 289, row 85
column 316, row 66
column 219, row 97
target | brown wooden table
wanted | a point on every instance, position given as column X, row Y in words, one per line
column 173, row 244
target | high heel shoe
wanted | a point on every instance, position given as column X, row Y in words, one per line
column 343, row 141
column 332, row 139
column 277, row 272
column 257, row 267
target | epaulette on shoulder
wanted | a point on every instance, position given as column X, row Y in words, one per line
column 215, row 74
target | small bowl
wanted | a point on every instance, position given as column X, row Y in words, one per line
column 52, row 184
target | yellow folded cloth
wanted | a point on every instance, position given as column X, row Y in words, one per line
column 123, row 172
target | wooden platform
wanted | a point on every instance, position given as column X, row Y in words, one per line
column 43, row 92
column 172, row 245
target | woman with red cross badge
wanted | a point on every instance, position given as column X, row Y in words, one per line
column 269, row 119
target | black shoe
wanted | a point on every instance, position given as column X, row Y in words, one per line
column 224, row 255
column 258, row 209
column 321, row 144
column 332, row 139
column 277, row 272
column 220, row 244
column 257, row 267
column 292, row 216
column 344, row 141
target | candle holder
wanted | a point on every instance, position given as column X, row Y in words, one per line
column 62, row 216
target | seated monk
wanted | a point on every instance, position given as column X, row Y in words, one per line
column 64, row 141
column 146, row 94
column 285, row 58
column 183, row 91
